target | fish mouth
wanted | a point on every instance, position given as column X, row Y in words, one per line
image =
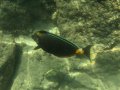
column 34, row 37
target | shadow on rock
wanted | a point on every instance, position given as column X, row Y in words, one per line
column 18, row 53
column 65, row 81
column 108, row 62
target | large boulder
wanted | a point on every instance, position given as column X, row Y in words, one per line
column 20, row 17
column 87, row 21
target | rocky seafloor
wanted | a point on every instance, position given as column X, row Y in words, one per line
column 22, row 68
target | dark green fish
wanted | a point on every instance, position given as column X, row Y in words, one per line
column 58, row 46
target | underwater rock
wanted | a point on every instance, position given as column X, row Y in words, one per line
column 38, row 70
column 33, row 68
column 84, row 21
column 20, row 17
column 41, row 71
column 55, row 31
column 106, row 67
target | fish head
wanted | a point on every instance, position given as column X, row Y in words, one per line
column 35, row 37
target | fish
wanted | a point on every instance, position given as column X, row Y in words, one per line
column 58, row 46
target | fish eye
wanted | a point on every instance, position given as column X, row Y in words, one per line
column 38, row 34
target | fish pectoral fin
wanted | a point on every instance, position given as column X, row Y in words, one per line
column 37, row 47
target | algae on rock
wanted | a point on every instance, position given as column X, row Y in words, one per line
column 89, row 19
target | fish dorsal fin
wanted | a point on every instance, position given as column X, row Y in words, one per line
column 59, row 37
column 43, row 31
column 65, row 40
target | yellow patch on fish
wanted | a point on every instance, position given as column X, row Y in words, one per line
column 79, row 51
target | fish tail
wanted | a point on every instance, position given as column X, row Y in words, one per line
column 87, row 51
column 84, row 52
